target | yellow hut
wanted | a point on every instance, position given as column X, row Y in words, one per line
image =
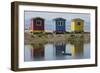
column 77, row 25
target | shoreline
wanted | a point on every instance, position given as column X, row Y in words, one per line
column 30, row 38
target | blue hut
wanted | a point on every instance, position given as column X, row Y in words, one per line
column 60, row 25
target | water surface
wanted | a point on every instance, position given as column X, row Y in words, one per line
column 57, row 51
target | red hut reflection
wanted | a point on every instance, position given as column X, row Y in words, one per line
column 37, row 52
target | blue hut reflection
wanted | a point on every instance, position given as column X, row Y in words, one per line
column 60, row 49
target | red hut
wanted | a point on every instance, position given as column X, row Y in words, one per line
column 37, row 25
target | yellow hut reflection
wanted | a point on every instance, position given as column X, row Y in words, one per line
column 77, row 48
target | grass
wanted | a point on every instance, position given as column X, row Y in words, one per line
column 53, row 38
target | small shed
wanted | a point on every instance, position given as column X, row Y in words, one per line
column 60, row 25
column 37, row 24
column 77, row 25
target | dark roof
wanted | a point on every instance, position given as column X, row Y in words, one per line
column 56, row 19
column 38, row 18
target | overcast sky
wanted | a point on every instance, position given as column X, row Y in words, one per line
column 49, row 16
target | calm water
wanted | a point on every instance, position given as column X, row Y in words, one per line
column 57, row 51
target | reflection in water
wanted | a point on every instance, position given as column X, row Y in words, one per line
column 57, row 51
column 38, row 51
column 60, row 49
column 77, row 49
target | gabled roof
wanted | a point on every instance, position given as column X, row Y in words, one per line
column 77, row 19
column 56, row 19
column 38, row 18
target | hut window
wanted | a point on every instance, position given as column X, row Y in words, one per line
column 38, row 22
column 60, row 23
column 78, row 23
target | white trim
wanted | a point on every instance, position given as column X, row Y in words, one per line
column 23, row 64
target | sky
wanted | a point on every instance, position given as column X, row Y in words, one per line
column 49, row 16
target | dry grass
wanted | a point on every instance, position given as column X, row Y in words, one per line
column 54, row 38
